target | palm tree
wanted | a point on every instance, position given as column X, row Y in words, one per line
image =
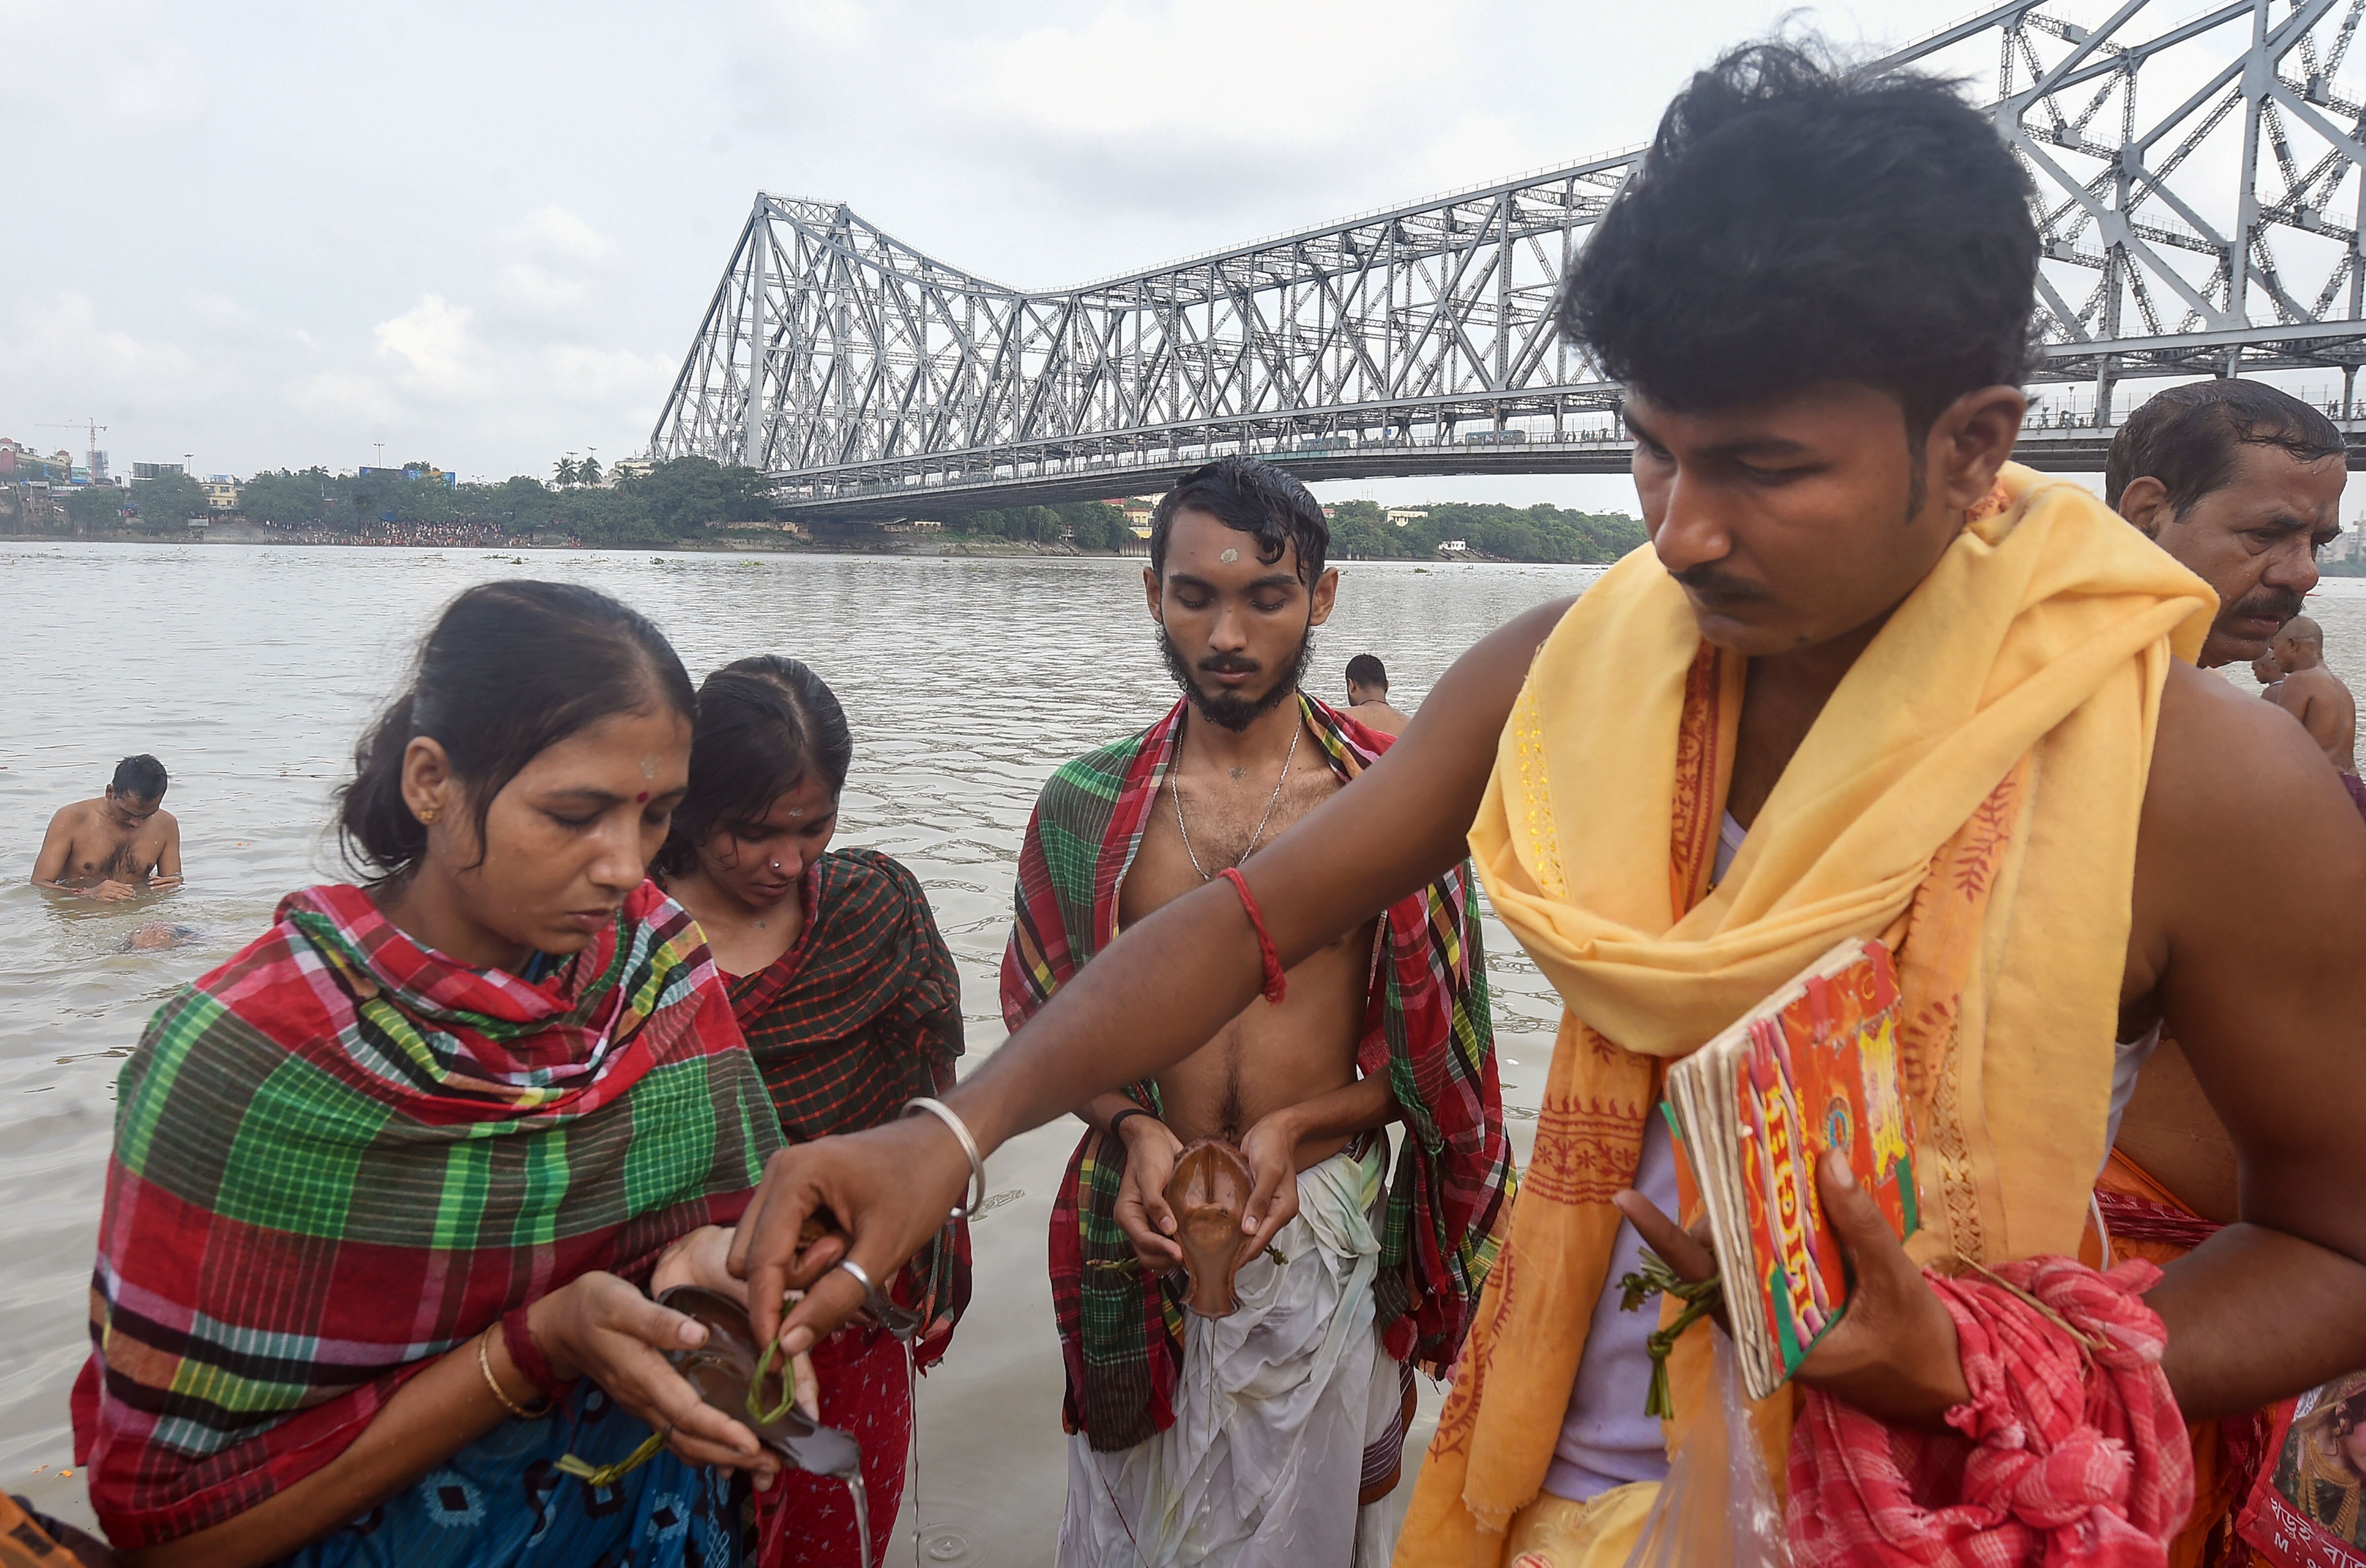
column 588, row 471
column 565, row 470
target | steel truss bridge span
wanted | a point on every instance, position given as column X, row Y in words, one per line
column 2197, row 192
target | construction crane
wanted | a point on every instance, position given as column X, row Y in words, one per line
column 91, row 458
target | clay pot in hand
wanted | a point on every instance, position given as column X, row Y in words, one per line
column 722, row 1369
column 1209, row 1192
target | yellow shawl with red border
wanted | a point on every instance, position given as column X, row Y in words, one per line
column 1970, row 793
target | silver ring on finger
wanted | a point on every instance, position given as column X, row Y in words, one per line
column 902, row 1324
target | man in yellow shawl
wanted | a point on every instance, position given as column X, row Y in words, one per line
column 1868, row 679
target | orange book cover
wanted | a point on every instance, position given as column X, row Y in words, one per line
column 1821, row 1073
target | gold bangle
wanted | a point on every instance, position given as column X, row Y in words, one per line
column 485, row 1365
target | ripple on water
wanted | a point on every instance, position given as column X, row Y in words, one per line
column 966, row 681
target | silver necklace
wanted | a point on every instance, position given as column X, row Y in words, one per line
column 1183, row 829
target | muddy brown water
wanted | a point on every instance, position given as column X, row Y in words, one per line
column 250, row 670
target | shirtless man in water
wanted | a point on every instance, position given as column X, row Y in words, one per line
column 119, row 846
column 2315, row 696
column 1367, row 695
column 1166, row 1432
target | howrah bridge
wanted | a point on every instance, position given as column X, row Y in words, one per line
column 2197, row 192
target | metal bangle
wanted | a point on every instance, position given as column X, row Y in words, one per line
column 485, row 1365
column 951, row 1117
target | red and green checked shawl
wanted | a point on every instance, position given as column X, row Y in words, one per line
column 859, row 1015
column 1425, row 1026
column 340, row 1155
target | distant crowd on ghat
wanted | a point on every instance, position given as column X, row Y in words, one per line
column 404, row 532
column 583, row 1182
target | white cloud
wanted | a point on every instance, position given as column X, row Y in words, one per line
column 597, row 377
column 485, row 234
column 830, row 21
column 64, row 332
column 153, row 85
column 432, row 339
column 556, row 232
column 346, row 391
column 532, row 288
column 1281, row 78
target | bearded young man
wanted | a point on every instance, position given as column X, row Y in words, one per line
column 1273, row 1434
column 1870, row 680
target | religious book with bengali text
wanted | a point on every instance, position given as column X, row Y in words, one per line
column 1812, row 1067
column 2307, row 1509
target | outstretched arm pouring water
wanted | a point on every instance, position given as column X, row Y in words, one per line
column 1152, row 997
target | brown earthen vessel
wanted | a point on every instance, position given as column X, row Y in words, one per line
column 1209, row 1192
column 721, row 1370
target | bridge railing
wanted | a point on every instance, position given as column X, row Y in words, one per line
column 2196, row 188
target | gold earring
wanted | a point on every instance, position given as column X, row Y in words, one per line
column 427, row 816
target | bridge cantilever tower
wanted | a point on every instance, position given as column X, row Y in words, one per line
column 2198, row 198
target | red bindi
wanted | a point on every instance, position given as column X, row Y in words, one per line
column 643, row 796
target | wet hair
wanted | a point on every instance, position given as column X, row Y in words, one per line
column 510, row 670
column 1251, row 497
column 764, row 726
column 139, row 778
column 2186, row 437
column 1365, row 671
column 1796, row 222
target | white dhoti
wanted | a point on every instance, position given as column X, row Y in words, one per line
column 1275, row 1410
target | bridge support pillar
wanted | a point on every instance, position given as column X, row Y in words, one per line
column 752, row 440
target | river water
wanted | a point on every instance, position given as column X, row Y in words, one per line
column 251, row 671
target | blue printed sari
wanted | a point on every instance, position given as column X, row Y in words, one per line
column 502, row 1502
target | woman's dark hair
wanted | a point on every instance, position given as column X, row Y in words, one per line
column 1253, row 497
column 511, row 668
column 1797, row 221
column 764, row 724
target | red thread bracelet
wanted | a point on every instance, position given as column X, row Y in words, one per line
column 1277, row 985
column 518, row 1336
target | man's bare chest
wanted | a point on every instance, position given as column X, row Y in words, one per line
column 1198, row 831
column 107, row 854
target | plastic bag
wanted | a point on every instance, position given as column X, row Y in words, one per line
column 1717, row 1505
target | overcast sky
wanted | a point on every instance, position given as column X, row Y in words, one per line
column 482, row 235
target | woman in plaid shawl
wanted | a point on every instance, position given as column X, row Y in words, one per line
column 387, row 1185
column 850, row 1006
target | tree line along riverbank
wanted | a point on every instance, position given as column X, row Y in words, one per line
column 694, row 502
